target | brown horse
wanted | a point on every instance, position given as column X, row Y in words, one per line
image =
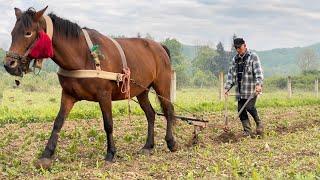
column 148, row 61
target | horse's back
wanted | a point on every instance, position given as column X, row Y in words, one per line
column 148, row 61
column 145, row 56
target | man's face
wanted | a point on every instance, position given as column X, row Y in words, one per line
column 242, row 49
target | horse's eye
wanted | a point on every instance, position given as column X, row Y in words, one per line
column 28, row 34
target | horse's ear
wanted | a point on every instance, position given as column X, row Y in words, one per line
column 39, row 14
column 18, row 12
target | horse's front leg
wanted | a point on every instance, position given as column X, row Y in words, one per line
column 106, row 108
column 67, row 103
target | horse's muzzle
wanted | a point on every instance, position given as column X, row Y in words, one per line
column 12, row 67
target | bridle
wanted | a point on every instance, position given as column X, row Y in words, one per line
column 24, row 60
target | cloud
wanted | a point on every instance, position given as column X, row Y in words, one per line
column 265, row 24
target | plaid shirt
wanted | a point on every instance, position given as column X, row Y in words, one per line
column 252, row 76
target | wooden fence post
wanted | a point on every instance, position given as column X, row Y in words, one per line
column 173, row 87
column 289, row 87
column 221, row 91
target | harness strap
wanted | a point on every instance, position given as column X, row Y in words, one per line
column 123, row 56
column 90, row 45
column 49, row 25
column 91, row 74
column 88, row 40
column 120, row 50
column 125, row 77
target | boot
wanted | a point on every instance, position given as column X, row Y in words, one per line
column 260, row 128
column 246, row 128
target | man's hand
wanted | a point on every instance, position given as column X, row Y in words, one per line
column 226, row 92
column 258, row 89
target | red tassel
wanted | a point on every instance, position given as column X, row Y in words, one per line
column 42, row 47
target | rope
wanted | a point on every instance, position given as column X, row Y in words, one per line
column 125, row 87
column 166, row 99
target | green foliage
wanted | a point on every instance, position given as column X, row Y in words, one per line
column 307, row 60
column 204, row 59
column 178, row 61
column 304, row 81
column 175, row 47
column 222, row 60
column 2, row 53
column 203, row 79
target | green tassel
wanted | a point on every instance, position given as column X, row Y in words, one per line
column 95, row 48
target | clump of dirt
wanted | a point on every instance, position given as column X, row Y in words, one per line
column 193, row 141
column 227, row 137
column 281, row 129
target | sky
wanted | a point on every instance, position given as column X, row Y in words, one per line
column 264, row 24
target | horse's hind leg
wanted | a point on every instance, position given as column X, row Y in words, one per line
column 162, row 87
column 67, row 103
column 150, row 114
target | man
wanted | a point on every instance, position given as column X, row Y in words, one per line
column 246, row 74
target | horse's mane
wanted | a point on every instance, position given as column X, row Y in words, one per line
column 65, row 27
column 62, row 26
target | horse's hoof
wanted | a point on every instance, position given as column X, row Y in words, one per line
column 110, row 158
column 146, row 152
column 173, row 147
column 44, row 163
column 108, row 163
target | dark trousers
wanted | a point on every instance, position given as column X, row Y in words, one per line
column 251, row 108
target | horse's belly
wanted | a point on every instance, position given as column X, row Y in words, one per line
column 81, row 89
column 94, row 89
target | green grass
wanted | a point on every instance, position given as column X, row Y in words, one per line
column 38, row 100
column 23, row 106
column 27, row 113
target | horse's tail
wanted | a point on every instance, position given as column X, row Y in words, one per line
column 167, row 50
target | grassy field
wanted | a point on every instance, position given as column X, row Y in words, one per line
column 290, row 148
column 37, row 104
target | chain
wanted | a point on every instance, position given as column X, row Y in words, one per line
column 166, row 99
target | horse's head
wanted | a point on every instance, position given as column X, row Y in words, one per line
column 25, row 35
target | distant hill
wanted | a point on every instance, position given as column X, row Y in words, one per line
column 281, row 61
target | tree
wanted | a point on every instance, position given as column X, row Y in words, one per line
column 307, row 60
column 202, row 78
column 204, row 59
column 229, row 55
column 233, row 50
column 178, row 61
column 175, row 48
column 221, row 60
column 173, row 45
